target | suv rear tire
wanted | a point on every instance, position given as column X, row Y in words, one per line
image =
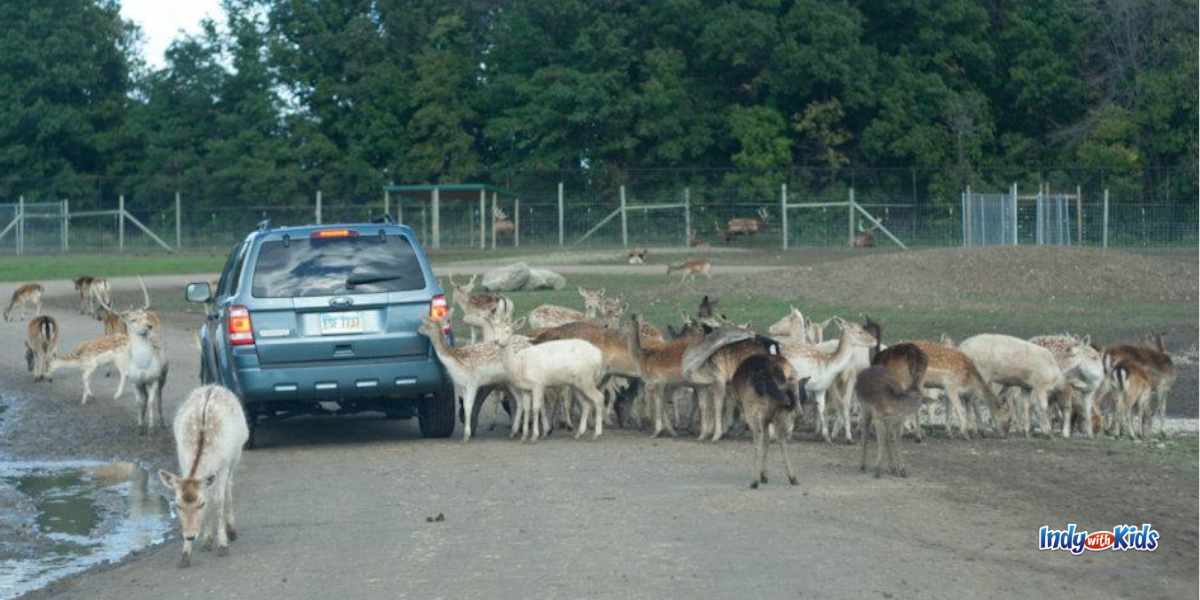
column 435, row 414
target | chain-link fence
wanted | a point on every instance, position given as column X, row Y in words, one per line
column 649, row 207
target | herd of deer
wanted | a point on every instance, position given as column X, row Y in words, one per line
column 584, row 368
column 587, row 365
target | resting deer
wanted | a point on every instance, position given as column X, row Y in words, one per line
column 887, row 403
column 752, row 226
column 210, row 431
column 41, row 343
column 690, row 268
column 29, row 294
column 147, row 364
column 865, row 238
column 636, row 256
column 765, row 386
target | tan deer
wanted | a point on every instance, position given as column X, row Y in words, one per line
column 660, row 367
column 210, row 431
column 93, row 354
column 748, row 227
column 690, row 268
column 83, row 287
column 865, row 238
column 146, row 359
column 41, row 343
column 710, row 364
column 501, row 223
column 29, row 294
column 822, row 369
column 112, row 322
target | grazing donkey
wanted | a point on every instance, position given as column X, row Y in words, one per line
column 210, row 430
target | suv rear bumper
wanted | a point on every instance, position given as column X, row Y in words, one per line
column 330, row 381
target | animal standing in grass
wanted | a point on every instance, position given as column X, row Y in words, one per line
column 210, row 431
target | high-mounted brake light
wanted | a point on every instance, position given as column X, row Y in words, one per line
column 439, row 310
column 241, row 331
column 325, row 234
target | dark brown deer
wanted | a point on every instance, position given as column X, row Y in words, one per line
column 742, row 226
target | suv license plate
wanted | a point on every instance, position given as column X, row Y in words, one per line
column 340, row 323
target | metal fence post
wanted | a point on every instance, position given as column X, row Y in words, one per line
column 495, row 199
column 783, row 216
column 437, row 219
column 966, row 217
column 561, row 234
column 482, row 219
column 850, row 218
column 624, row 221
column 318, row 207
column 121, row 222
column 1014, row 214
column 66, row 226
column 1104, row 236
column 687, row 217
column 516, row 223
column 178, row 222
column 1079, row 214
column 21, row 225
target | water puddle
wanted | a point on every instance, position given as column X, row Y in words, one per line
column 61, row 518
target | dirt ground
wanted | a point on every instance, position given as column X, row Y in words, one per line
column 339, row 506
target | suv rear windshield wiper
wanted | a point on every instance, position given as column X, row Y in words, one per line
column 354, row 280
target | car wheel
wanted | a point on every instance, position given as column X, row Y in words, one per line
column 436, row 414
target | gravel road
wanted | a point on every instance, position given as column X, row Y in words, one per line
column 340, row 508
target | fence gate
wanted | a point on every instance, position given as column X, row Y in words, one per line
column 1053, row 222
column 989, row 219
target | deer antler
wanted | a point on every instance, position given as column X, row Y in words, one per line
column 145, row 293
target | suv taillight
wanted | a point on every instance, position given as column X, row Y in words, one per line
column 241, row 332
column 438, row 310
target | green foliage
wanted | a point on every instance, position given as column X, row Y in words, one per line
column 279, row 98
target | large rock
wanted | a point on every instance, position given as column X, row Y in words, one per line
column 506, row 279
column 544, row 279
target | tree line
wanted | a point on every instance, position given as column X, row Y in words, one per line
column 281, row 97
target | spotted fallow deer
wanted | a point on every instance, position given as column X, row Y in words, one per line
column 660, row 367
column 1158, row 366
column 210, row 431
column 29, row 294
column 41, row 343
column 744, row 226
column 147, row 364
column 710, row 364
column 954, row 373
column 690, row 268
column 476, row 307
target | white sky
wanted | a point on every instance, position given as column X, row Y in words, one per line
column 161, row 21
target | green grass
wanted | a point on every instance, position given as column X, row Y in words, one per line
column 44, row 268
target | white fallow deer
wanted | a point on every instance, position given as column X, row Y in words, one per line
column 210, row 431
column 575, row 364
column 476, row 307
column 29, row 294
column 41, row 343
column 147, row 364
column 1008, row 361
column 822, row 369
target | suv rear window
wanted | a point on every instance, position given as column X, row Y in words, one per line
column 361, row 264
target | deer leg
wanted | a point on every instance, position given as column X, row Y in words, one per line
column 847, row 397
column 780, row 423
column 469, row 392
column 719, row 419
column 822, row 427
column 220, row 531
column 705, row 400
column 88, row 369
column 955, row 404
column 598, row 404
column 896, row 468
column 880, row 444
column 230, row 524
column 864, row 426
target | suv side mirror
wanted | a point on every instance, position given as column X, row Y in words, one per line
column 198, row 293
